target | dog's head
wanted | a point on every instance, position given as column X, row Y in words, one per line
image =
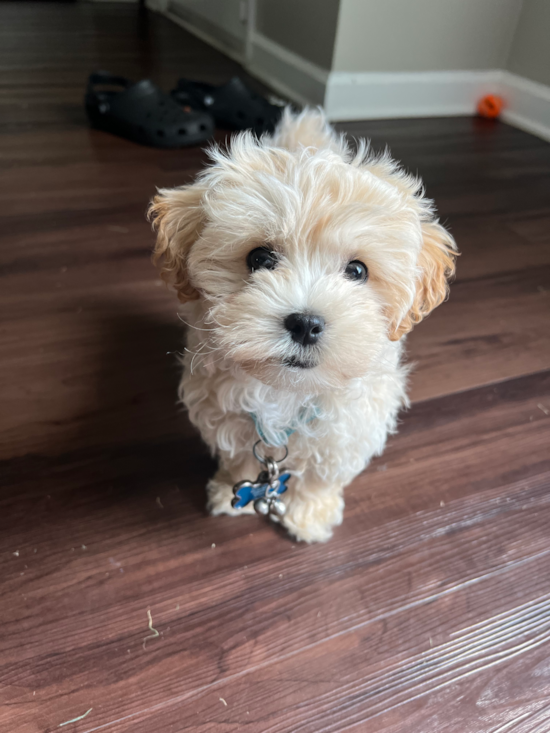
column 307, row 257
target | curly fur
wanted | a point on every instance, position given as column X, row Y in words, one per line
column 319, row 205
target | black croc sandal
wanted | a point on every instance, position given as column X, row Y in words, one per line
column 143, row 113
column 233, row 105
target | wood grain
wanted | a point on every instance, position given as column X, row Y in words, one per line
column 429, row 611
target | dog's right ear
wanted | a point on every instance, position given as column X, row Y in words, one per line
column 177, row 216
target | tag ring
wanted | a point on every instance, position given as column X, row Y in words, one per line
column 263, row 460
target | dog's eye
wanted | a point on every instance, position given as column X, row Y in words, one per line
column 357, row 271
column 261, row 258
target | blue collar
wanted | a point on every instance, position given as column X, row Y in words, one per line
column 281, row 436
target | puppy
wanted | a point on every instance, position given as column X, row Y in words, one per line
column 302, row 265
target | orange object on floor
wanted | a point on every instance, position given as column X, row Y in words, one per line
column 490, row 106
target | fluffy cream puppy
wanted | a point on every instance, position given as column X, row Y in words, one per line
column 301, row 264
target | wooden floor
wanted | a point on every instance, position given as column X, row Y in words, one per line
column 429, row 611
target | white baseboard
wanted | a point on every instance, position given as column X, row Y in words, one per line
column 527, row 104
column 439, row 93
column 284, row 71
column 382, row 95
column 289, row 74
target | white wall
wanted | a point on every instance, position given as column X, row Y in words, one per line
column 365, row 59
column 424, row 35
column 530, row 52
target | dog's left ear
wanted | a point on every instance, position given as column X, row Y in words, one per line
column 436, row 264
column 178, row 218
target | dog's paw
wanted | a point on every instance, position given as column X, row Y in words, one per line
column 220, row 494
column 312, row 520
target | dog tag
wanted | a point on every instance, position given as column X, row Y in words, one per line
column 264, row 492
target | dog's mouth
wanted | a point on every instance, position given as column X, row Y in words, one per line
column 296, row 363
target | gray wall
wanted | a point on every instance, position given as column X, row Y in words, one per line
column 424, row 35
column 376, row 36
column 306, row 27
column 530, row 52
column 218, row 18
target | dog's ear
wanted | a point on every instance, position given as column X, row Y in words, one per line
column 436, row 264
column 177, row 216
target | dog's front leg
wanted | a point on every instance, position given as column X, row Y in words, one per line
column 220, row 488
column 313, row 508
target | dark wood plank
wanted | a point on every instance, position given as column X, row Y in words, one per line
column 256, row 599
column 429, row 609
column 324, row 689
column 493, row 328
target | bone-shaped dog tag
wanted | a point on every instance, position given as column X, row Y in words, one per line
column 264, row 492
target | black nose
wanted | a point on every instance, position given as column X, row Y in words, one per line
column 305, row 329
